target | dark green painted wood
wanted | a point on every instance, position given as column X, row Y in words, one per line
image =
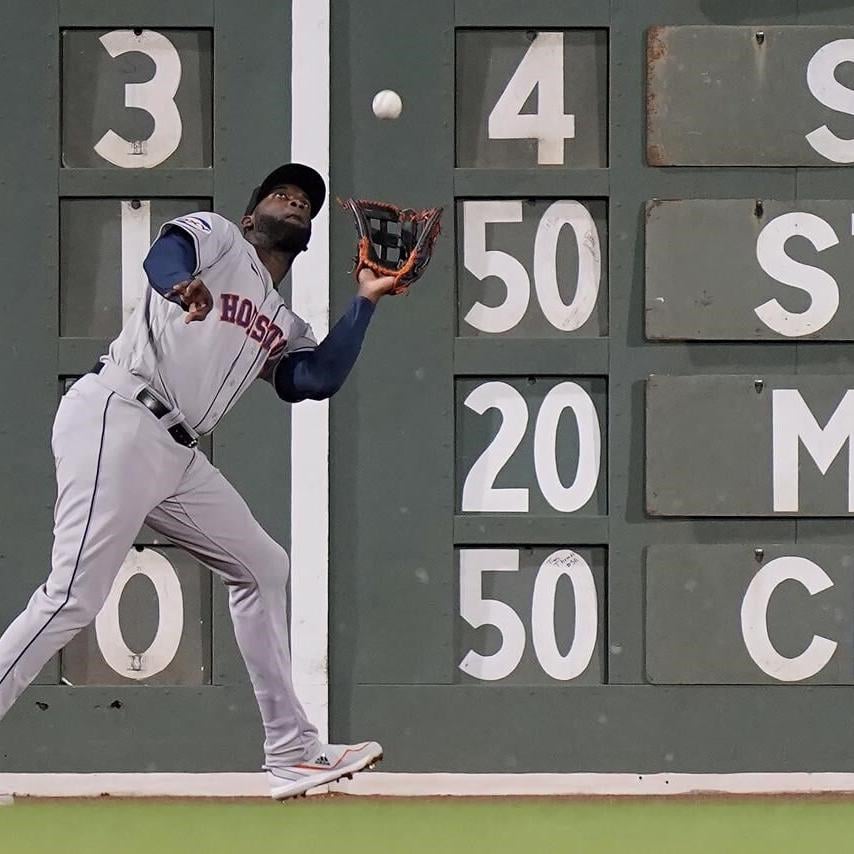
column 539, row 14
column 492, row 529
column 531, row 183
column 29, row 224
column 486, row 59
column 616, row 727
column 531, row 357
column 252, row 109
column 75, row 356
column 391, row 447
column 136, row 183
column 84, row 664
column 642, row 729
column 155, row 14
column 252, row 447
column 124, row 729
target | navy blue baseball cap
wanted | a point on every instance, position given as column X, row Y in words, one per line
column 298, row 174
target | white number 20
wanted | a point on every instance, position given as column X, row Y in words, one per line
column 540, row 68
column 478, row 611
column 479, row 494
column 155, row 96
column 483, row 262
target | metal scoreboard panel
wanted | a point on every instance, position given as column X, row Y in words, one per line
column 90, row 179
column 785, row 91
column 749, row 446
column 749, row 269
column 488, row 110
column 545, row 611
column 98, row 66
column 532, row 445
column 548, row 280
column 740, row 614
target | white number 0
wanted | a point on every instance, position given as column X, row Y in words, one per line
column 170, row 627
column 155, row 96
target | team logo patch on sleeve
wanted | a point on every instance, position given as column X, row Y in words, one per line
column 196, row 222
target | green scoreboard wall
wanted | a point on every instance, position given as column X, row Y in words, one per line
column 591, row 481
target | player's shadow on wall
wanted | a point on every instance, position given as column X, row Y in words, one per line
column 771, row 11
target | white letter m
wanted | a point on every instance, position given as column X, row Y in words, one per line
column 793, row 421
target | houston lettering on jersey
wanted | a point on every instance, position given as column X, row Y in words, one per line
column 243, row 312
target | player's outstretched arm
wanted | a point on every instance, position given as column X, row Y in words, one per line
column 317, row 374
column 372, row 286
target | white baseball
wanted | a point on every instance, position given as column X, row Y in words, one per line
column 387, row 104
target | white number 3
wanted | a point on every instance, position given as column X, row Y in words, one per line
column 541, row 67
column 155, row 96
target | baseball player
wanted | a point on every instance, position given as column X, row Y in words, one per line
column 125, row 445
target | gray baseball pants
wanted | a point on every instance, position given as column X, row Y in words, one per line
column 117, row 467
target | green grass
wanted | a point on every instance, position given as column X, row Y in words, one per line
column 437, row 826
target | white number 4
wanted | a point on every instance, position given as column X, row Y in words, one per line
column 540, row 68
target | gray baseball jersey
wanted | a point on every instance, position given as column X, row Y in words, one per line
column 117, row 467
column 202, row 368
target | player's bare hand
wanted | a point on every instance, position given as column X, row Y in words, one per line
column 196, row 298
column 373, row 286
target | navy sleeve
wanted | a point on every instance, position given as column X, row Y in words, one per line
column 171, row 259
column 317, row 374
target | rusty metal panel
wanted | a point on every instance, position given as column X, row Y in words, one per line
column 749, row 445
column 747, row 269
column 749, row 614
column 739, row 96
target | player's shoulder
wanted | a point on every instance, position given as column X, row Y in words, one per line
column 207, row 222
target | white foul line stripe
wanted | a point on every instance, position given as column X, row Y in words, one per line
column 310, row 420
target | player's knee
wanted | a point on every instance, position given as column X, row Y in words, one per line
column 272, row 569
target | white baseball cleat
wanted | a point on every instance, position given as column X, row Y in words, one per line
column 331, row 762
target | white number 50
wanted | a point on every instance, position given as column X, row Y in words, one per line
column 483, row 262
column 478, row 611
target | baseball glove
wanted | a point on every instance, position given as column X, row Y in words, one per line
column 394, row 241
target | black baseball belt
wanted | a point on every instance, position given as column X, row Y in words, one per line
column 153, row 403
